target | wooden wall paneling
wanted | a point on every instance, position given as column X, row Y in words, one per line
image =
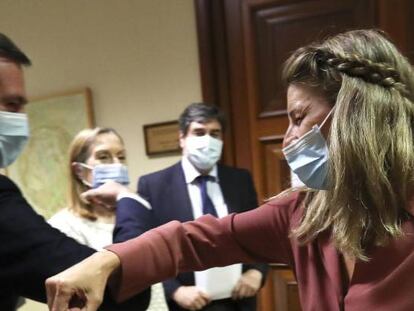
column 214, row 65
column 206, row 50
column 252, row 96
column 230, row 95
column 245, row 44
column 276, row 178
column 286, row 289
column 238, row 92
column 396, row 17
column 280, row 29
column 275, row 169
column 222, row 39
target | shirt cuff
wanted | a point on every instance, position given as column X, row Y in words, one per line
column 135, row 197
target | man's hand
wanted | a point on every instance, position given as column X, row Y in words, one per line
column 82, row 286
column 104, row 195
column 191, row 298
column 248, row 284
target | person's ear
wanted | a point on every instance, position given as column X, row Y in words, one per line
column 77, row 170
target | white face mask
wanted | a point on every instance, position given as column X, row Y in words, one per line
column 102, row 173
column 295, row 182
column 308, row 157
column 14, row 133
column 203, row 151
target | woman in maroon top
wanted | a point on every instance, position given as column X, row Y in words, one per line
column 347, row 233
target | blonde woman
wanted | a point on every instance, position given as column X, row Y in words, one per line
column 348, row 235
column 95, row 156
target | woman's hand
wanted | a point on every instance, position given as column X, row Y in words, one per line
column 105, row 195
column 82, row 286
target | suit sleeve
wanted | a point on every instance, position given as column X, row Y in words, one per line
column 31, row 250
column 170, row 285
column 132, row 218
column 260, row 235
column 252, row 204
column 143, row 190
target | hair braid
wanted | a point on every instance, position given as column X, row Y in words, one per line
column 356, row 66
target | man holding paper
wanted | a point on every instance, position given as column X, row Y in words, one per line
column 195, row 186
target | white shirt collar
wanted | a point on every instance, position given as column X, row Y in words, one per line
column 191, row 173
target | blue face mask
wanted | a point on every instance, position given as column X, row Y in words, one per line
column 102, row 173
column 308, row 158
column 14, row 133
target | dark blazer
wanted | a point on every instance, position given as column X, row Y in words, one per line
column 31, row 251
column 166, row 191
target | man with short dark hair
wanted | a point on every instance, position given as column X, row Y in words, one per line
column 195, row 186
column 30, row 250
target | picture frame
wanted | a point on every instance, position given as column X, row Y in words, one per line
column 162, row 138
column 42, row 170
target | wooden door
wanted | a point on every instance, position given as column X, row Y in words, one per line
column 242, row 46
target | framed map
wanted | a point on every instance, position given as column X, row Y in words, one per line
column 42, row 170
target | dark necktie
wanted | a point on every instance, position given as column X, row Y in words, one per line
column 208, row 206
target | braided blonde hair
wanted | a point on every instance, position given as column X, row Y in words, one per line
column 371, row 147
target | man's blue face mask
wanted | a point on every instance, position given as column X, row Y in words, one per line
column 14, row 133
column 308, row 158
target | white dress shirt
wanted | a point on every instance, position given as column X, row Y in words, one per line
column 218, row 283
column 213, row 190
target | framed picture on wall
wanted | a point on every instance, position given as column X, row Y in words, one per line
column 41, row 171
column 161, row 138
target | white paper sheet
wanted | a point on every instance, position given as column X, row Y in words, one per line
column 218, row 283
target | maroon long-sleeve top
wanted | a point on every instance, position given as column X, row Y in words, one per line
column 386, row 282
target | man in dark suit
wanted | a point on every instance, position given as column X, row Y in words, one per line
column 30, row 250
column 195, row 186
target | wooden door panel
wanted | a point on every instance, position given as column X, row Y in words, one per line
column 275, row 168
column 286, row 296
column 280, row 28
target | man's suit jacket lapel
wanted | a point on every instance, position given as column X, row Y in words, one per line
column 179, row 194
column 229, row 191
